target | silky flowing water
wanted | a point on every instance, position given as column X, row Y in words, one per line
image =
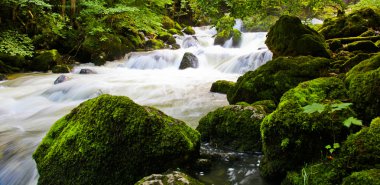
column 32, row 103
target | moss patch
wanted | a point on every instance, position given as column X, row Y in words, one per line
column 222, row 86
column 234, row 126
column 112, row 140
column 301, row 40
column 291, row 137
column 275, row 77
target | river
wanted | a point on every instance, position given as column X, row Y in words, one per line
column 32, row 103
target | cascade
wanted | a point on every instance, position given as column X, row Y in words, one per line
column 32, row 103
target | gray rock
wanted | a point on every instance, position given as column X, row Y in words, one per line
column 189, row 60
column 61, row 79
column 87, row 71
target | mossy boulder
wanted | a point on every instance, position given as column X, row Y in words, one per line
column 233, row 126
column 269, row 105
column 153, row 44
column 167, row 38
column 357, row 162
column 46, row 60
column 292, row 136
column 352, row 62
column 289, row 37
column 189, row 60
column 351, row 25
column 274, row 78
column 172, row 178
column 223, row 36
column 221, row 86
column 61, row 68
column 189, row 30
column 365, row 46
column 112, row 140
column 368, row 177
column 167, row 22
column 5, row 68
column 105, row 47
column 364, row 86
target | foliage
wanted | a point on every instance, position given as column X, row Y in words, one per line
column 14, row 43
column 366, row 3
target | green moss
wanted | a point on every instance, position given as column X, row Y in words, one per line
column 335, row 44
column 368, row 177
column 363, row 46
column 154, row 44
column 189, row 30
column 221, row 86
column 167, row 38
column 269, row 105
column 4, row 68
column 351, row 25
column 275, row 77
column 236, row 37
column 61, row 69
column 349, row 64
column 234, row 126
column 292, row 137
column 368, row 33
column 177, row 178
column 357, row 162
column 367, row 65
column 167, row 22
column 46, row 60
column 301, row 40
column 221, row 37
column 377, row 43
column 112, row 140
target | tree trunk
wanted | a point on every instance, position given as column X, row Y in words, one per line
column 63, row 4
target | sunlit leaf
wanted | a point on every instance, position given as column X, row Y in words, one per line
column 352, row 121
column 315, row 107
column 340, row 106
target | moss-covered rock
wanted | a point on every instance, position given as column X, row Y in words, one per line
column 112, row 140
column 292, row 136
column 269, row 105
column 335, row 44
column 154, row 44
column 234, row 126
column 221, row 86
column 350, row 63
column 189, row 60
column 368, row 177
column 365, row 46
column 358, row 162
column 351, row 25
column 106, row 47
column 364, row 88
column 189, row 30
column 275, row 77
column 61, row 69
column 172, row 178
column 368, row 33
column 4, row 68
column 46, row 60
column 301, row 40
column 167, row 22
column 167, row 38
column 377, row 43
column 223, row 36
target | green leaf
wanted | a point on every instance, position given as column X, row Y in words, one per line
column 340, row 106
column 328, row 146
column 336, row 145
column 331, row 151
column 352, row 121
column 315, row 107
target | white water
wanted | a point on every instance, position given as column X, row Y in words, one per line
column 31, row 104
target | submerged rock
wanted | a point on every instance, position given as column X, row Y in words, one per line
column 289, row 37
column 234, row 126
column 189, row 60
column 292, row 136
column 172, row 178
column 112, row 140
column 364, row 88
column 221, row 86
column 357, row 162
column 87, row 71
column 61, row 79
column 275, row 77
